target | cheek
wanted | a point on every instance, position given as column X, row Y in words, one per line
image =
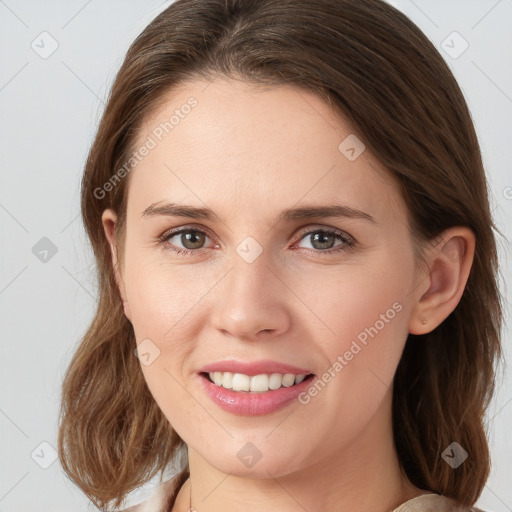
column 162, row 314
column 364, row 328
column 359, row 303
column 161, row 296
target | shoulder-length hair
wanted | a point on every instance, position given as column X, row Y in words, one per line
column 379, row 71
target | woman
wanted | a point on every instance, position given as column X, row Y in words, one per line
column 297, row 268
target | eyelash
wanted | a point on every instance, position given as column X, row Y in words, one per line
column 348, row 241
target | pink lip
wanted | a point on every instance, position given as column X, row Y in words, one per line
column 253, row 368
column 249, row 403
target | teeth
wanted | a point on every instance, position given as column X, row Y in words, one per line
column 275, row 380
column 257, row 383
column 299, row 378
column 241, row 382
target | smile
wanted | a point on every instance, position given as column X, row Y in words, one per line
column 249, row 403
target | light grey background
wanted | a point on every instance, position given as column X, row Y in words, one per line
column 50, row 108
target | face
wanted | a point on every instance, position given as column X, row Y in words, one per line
column 330, row 294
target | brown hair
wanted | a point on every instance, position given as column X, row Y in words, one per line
column 383, row 74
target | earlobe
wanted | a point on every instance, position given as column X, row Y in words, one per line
column 127, row 311
column 450, row 265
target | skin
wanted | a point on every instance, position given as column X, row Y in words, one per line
column 248, row 153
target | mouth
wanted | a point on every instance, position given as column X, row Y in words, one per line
column 256, row 384
column 254, row 395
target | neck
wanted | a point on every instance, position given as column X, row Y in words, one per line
column 363, row 476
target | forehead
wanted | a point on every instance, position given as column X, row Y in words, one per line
column 230, row 144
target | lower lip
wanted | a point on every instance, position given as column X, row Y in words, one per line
column 249, row 403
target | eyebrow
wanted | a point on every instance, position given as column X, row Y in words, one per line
column 288, row 215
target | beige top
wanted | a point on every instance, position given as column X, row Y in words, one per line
column 423, row 503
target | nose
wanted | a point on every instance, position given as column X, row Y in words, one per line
column 252, row 301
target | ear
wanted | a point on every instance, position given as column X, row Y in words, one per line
column 109, row 220
column 441, row 289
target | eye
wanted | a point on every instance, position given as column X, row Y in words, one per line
column 192, row 240
column 323, row 240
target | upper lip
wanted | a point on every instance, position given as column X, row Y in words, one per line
column 253, row 368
